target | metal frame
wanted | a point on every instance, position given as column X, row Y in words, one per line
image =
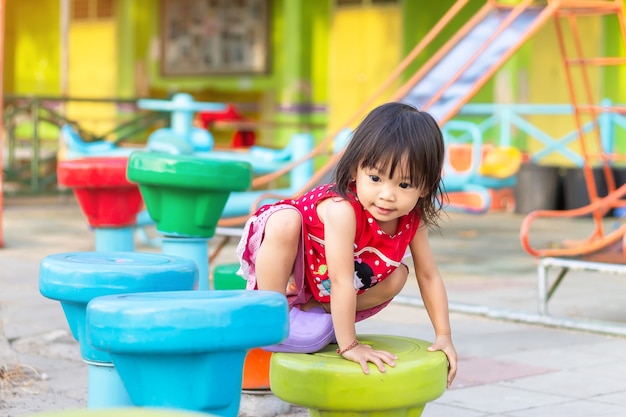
column 546, row 289
column 585, row 105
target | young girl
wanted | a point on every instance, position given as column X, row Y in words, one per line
column 339, row 248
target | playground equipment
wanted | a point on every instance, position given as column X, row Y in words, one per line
column 468, row 180
column 330, row 386
column 186, row 349
column 256, row 369
column 185, row 196
column 593, row 150
column 603, row 250
column 212, row 330
column 108, row 200
column 182, row 138
column 76, row 278
column 243, row 137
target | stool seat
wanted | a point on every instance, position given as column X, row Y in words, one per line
column 329, row 385
column 81, row 276
column 186, row 349
column 75, row 278
column 186, row 194
column 187, row 321
column 105, row 196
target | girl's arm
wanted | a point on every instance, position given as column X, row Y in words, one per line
column 339, row 235
column 434, row 296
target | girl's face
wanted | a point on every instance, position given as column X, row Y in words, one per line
column 386, row 198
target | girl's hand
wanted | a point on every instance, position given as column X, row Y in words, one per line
column 444, row 344
column 362, row 354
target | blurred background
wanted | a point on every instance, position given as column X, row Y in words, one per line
column 284, row 67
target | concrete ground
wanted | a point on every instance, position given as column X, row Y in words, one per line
column 509, row 365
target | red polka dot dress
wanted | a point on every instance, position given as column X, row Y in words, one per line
column 376, row 253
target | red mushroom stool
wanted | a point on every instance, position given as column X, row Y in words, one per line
column 108, row 200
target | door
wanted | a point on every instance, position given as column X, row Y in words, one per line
column 92, row 63
column 366, row 44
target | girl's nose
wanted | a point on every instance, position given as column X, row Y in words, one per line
column 387, row 193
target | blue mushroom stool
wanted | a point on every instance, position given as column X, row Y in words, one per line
column 76, row 278
column 186, row 349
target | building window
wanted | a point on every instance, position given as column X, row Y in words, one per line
column 92, row 9
column 200, row 37
column 348, row 3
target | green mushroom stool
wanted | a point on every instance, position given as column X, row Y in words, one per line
column 185, row 196
column 330, row 386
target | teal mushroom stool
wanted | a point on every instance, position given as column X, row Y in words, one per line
column 330, row 386
column 185, row 195
column 186, row 349
column 76, row 278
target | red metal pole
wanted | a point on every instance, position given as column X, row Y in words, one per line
column 2, row 13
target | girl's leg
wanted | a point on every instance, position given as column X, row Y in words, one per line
column 384, row 291
column 278, row 250
column 274, row 265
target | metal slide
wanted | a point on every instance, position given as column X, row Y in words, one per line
column 475, row 56
column 451, row 77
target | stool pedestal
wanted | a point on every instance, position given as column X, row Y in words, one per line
column 106, row 388
column 256, row 368
column 108, row 200
column 186, row 349
column 185, row 195
column 330, row 386
column 76, row 278
column 194, row 248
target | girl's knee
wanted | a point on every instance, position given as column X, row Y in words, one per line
column 284, row 224
column 396, row 281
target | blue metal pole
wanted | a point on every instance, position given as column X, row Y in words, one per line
column 194, row 248
column 606, row 126
column 112, row 239
column 105, row 387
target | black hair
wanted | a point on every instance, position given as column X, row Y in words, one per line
column 393, row 134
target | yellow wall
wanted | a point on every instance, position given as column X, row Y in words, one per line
column 365, row 47
column 92, row 70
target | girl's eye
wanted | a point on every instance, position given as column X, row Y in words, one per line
column 375, row 178
column 405, row 185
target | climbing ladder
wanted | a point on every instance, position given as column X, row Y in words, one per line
column 586, row 106
column 597, row 253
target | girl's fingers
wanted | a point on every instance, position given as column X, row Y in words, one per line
column 364, row 354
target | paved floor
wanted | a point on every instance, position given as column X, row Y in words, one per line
column 508, row 367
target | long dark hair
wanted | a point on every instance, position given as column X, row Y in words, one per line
column 389, row 135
